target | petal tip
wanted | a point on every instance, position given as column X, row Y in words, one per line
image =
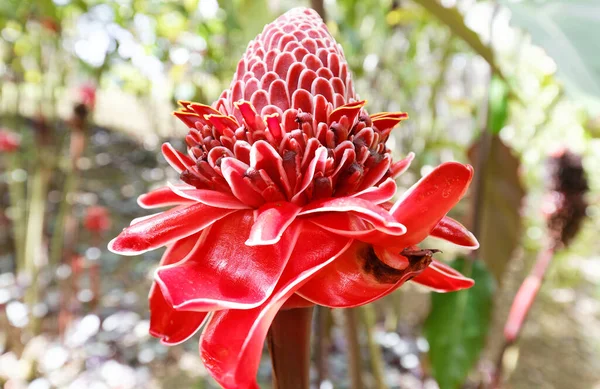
column 111, row 246
column 475, row 243
column 140, row 202
column 466, row 283
column 397, row 228
column 129, row 245
column 164, row 339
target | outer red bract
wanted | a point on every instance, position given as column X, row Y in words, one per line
column 9, row 141
column 285, row 202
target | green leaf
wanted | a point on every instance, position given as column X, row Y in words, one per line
column 565, row 29
column 498, row 105
column 458, row 324
column 498, row 213
column 452, row 17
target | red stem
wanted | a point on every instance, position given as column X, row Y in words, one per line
column 521, row 306
column 321, row 342
column 526, row 295
column 289, row 346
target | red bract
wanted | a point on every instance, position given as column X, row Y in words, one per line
column 9, row 141
column 286, row 191
column 97, row 219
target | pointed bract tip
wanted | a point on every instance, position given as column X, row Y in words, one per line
column 129, row 245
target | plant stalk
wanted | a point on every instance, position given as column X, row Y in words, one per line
column 521, row 306
column 377, row 364
column 34, row 255
column 61, row 249
column 322, row 316
column 94, row 272
column 17, row 199
column 289, row 346
column 57, row 242
column 354, row 360
column 319, row 6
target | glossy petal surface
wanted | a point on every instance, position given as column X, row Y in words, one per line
column 344, row 224
column 443, row 278
column 162, row 197
column 454, row 232
column 271, row 221
column 356, row 278
column 378, row 194
column 212, row 198
column 423, row 206
column 224, row 273
column 430, row 199
column 176, row 159
column 171, row 326
column 157, row 231
column 232, row 343
column 364, row 209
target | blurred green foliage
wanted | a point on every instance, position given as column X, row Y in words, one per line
column 564, row 29
column 458, row 325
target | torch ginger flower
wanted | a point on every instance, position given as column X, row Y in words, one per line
column 285, row 203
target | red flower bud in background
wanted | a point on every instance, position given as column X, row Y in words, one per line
column 565, row 209
column 97, row 219
column 85, row 103
column 87, row 96
column 9, row 141
column 50, row 24
column 569, row 189
column 286, row 192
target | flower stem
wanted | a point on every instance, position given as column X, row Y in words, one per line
column 322, row 326
column 289, row 346
column 17, row 201
column 521, row 306
column 354, row 359
column 35, row 255
column 377, row 363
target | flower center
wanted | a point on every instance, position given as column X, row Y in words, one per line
column 298, row 158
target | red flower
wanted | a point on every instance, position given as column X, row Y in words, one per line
column 287, row 189
column 87, row 96
column 9, row 141
column 97, row 219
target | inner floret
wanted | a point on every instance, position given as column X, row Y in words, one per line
column 290, row 126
